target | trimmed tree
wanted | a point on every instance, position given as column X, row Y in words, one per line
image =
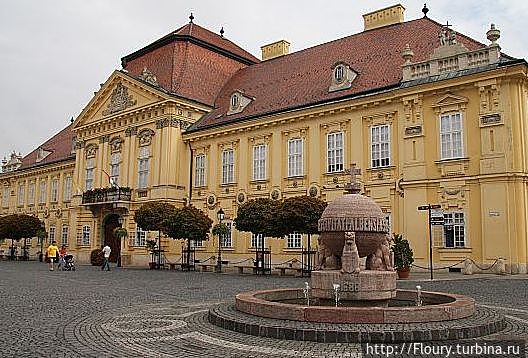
column 188, row 223
column 152, row 216
column 19, row 226
column 300, row 214
column 259, row 216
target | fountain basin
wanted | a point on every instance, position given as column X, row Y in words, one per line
column 436, row 307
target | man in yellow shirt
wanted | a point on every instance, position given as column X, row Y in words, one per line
column 52, row 252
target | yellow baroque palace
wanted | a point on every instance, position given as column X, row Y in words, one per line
column 429, row 115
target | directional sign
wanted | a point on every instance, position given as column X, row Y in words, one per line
column 429, row 206
column 423, row 207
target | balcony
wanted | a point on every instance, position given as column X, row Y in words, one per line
column 106, row 196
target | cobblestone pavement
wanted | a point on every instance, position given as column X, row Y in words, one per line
column 142, row 313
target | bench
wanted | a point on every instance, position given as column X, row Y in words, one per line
column 207, row 267
column 242, row 267
column 282, row 270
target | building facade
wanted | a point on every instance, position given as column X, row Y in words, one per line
column 438, row 118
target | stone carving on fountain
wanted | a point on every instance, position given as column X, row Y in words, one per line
column 353, row 227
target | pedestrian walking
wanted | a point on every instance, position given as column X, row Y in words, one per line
column 62, row 253
column 52, row 252
column 106, row 251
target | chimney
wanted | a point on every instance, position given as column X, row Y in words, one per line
column 388, row 16
column 276, row 49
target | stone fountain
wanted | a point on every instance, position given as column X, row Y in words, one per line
column 349, row 302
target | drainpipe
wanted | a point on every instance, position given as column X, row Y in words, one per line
column 190, row 173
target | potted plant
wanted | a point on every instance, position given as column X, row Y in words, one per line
column 403, row 255
column 151, row 247
column 120, row 232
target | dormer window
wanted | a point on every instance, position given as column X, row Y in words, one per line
column 342, row 77
column 237, row 102
column 42, row 154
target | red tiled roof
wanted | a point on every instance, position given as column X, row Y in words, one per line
column 303, row 77
column 60, row 146
column 191, row 62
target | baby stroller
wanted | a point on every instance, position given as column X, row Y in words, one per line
column 69, row 263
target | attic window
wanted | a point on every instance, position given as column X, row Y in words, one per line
column 342, row 77
column 237, row 102
column 42, row 154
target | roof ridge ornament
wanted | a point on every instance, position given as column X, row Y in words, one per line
column 222, row 32
column 191, row 18
column 425, row 10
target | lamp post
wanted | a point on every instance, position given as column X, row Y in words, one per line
column 120, row 221
column 220, row 215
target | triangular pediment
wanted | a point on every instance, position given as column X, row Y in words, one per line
column 120, row 94
column 450, row 99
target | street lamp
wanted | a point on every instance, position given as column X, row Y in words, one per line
column 220, row 215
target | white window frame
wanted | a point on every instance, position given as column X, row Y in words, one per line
column 295, row 157
column 54, row 190
column 140, row 237
column 197, row 243
column 115, row 162
column 451, row 135
column 457, row 220
column 199, row 171
column 256, row 241
column 294, row 240
column 143, row 167
column 51, row 233
column 380, row 142
column 89, row 174
column 86, row 235
column 67, row 189
column 259, row 162
column 228, row 166
column 335, row 152
column 227, row 240
column 65, row 234
column 21, row 194
column 31, row 193
column 43, row 191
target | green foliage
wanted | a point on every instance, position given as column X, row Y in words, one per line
column 151, row 245
column 151, row 216
column 96, row 257
column 220, row 229
column 19, row 226
column 188, row 223
column 300, row 214
column 403, row 254
column 259, row 216
column 120, row 232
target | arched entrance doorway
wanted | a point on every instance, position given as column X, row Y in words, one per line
column 111, row 222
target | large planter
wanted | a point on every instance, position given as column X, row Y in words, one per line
column 403, row 273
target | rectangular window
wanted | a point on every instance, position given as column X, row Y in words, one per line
column 51, row 234
column 89, row 176
column 143, row 167
column 31, row 194
column 259, row 162
column 256, row 240
column 141, row 237
column 67, row 189
column 5, row 197
column 228, row 166
column 86, row 235
column 227, row 240
column 197, row 243
column 295, row 157
column 199, row 171
column 55, row 190
column 43, row 192
column 335, row 152
column 294, row 241
column 115, row 160
column 451, row 145
column 21, row 194
column 64, row 236
column 454, row 229
column 380, row 146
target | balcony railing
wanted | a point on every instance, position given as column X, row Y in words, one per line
column 106, row 195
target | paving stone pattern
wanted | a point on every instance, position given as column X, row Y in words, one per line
column 142, row 313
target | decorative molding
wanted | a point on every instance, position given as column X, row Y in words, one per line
column 119, row 100
column 413, row 131
column 145, row 136
column 353, row 224
column 130, row 131
column 116, row 144
column 241, row 197
column 79, row 143
column 313, row 191
column 275, row 194
column 91, row 150
column 490, row 119
column 104, row 138
column 211, row 200
column 162, row 123
column 148, row 77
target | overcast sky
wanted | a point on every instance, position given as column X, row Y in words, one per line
column 55, row 53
